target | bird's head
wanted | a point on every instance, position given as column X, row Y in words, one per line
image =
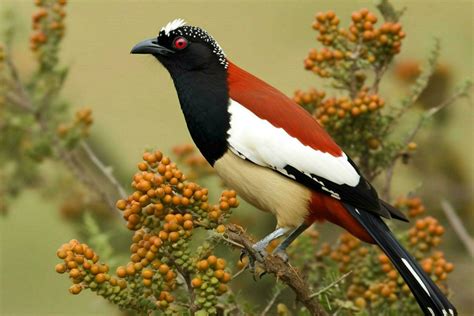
column 181, row 48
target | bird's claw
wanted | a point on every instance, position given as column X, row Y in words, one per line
column 253, row 261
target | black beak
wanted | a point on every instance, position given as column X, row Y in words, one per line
column 150, row 46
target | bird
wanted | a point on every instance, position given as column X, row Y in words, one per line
column 276, row 155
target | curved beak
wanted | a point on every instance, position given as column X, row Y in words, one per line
column 150, row 46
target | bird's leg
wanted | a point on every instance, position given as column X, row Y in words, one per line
column 281, row 249
column 262, row 244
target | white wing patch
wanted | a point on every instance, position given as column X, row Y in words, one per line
column 173, row 25
column 266, row 145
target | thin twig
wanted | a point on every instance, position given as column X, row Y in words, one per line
column 379, row 72
column 458, row 227
column 431, row 112
column 411, row 135
column 106, row 171
column 19, row 84
column 324, row 289
column 239, row 272
column 272, row 301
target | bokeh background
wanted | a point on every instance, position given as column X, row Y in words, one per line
column 135, row 107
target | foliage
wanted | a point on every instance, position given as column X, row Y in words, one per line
column 174, row 267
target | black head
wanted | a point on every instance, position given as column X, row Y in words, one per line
column 181, row 48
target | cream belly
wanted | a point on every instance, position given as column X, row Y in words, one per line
column 265, row 189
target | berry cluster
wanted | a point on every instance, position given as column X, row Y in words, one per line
column 48, row 28
column 344, row 47
column 346, row 252
column 161, row 189
column 412, row 206
column 437, row 265
column 384, row 41
column 210, row 282
column 78, row 128
column 163, row 211
column 425, row 234
column 197, row 164
column 85, row 271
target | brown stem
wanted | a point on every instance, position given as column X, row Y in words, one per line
column 192, row 296
column 279, row 268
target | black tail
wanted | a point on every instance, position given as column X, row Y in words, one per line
column 427, row 294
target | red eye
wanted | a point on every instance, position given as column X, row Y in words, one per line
column 180, row 43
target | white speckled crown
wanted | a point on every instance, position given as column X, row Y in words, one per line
column 179, row 27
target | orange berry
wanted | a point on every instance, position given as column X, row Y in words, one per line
column 386, row 268
column 188, row 224
column 147, row 273
column 448, row 267
column 383, row 259
column 196, row 282
column 164, row 269
column 100, row 278
column 220, row 264
column 60, row 268
column 222, row 288
column 75, row 289
column 212, row 260
column 121, row 272
column 174, row 236
column 227, row 277
column 74, row 273
column 202, row 265
column 220, row 229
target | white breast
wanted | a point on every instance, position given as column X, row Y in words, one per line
column 265, row 189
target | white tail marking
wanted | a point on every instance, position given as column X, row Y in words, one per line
column 417, row 277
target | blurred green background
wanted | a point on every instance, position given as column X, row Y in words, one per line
column 135, row 106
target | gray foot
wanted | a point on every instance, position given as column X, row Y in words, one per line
column 281, row 253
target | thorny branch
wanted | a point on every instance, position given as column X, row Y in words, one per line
column 336, row 282
column 280, row 269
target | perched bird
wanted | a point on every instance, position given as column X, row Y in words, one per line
column 275, row 155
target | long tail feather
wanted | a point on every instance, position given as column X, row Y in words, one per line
column 427, row 294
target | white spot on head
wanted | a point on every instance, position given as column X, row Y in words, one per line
column 417, row 277
column 173, row 25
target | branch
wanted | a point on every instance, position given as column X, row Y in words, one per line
column 388, row 11
column 458, row 227
column 105, row 170
column 272, row 301
column 192, row 296
column 460, row 92
column 280, row 269
column 337, row 281
column 79, row 165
